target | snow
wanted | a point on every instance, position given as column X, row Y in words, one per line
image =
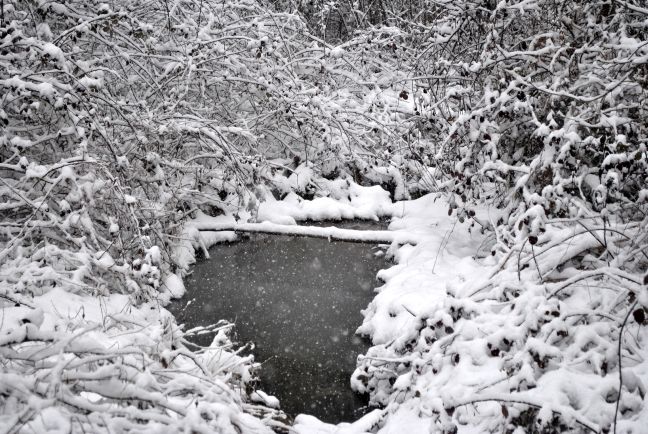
column 173, row 283
column 265, row 399
column 91, row 82
column 129, row 147
column 440, row 269
column 432, row 254
column 332, row 233
column 337, row 52
column 20, row 142
column 305, row 424
column 346, row 201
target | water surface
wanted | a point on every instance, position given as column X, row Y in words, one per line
column 299, row 300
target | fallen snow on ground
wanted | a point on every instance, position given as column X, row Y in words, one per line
column 340, row 199
column 101, row 353
column 462, row 339
column 344, row 200
column 442, row 257
column 465, row 340
column 433, row 252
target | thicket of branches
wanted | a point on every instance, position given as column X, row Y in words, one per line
column 536, row 109
column 120, row 119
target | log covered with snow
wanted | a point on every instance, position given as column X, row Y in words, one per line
column 331, row 233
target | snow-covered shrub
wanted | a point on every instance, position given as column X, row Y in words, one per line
column 535, row 110
column 119, row 121
column 112, row 136
column 543, row 108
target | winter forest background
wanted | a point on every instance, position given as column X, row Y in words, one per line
column 122, row 122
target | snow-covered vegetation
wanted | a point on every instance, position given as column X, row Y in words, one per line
column 521, row 126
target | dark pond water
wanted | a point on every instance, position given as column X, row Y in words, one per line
column 299, row 300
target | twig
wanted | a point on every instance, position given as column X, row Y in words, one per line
column 526, row 401
column 518, row 261
column 618, row 401
column 444, row 242
column 16, row 301
column 536, row 264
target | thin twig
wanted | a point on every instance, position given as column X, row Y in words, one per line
column 618, row 401
column 518, row 261
column 536, row 264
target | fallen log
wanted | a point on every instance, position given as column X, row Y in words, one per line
column 331, row 233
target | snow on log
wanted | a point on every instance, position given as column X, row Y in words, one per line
column 331, row 233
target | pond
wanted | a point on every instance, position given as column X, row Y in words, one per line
column 299, row 300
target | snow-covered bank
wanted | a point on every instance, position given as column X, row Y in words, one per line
column 470, row 338
column 444, row 253
column 337, row 200
column 468, row 342
column 466, row 338
column 122, row 366
column 122, row 120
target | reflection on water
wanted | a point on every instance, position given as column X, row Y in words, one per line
column 299, row 301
